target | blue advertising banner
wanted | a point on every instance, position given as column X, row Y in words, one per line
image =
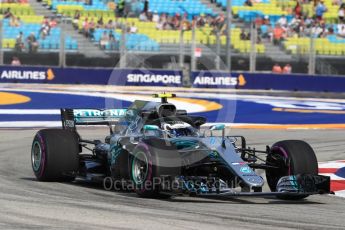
column 90, row 76
column 143, row 77
column 292, row 82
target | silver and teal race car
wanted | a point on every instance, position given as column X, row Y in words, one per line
column 158, row 150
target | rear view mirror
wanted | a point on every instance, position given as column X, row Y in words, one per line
column 150, row 127
column 217, row 127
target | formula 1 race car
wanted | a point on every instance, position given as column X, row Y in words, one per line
column 160, row 151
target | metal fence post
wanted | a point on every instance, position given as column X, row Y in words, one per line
column 1, row 50
column 181, row 57
column 217, row 50
column 228, row 34
column 193, row 58
column 62, row 54
column 312, row 54
column 253, row 39
column 123, row 53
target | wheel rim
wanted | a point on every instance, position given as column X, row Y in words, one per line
column 139, row 168
column 36, row 156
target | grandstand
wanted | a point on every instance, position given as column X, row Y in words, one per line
column 167, row 24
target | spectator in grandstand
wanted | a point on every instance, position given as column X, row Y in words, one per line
column 111, row 35
column 341, row 30
column 276, row 68
column 85, row 27
column 110, row 25
column 15, row 61
column 186, row 25
column 161, row 25
column 155, row 17
column 219, row 21
column 175, row 21
column 308, row 21
column 287, row 69
column 324, row 30
column 19, row 45
column 341, row 13
column 330, row 31
column 104, row 41
column 295, row 25
column 266, row 31
column 258, row 21
column 337, row 2
column 76, row 18
column 298, row 9
column 201, row 21
column 282, row 21
column 146, row 6
column 32, row 42
column 128, row 7
column 143, row 17
column 248, row 3
column 113, row 43
column 52, row 23
column 133, row 29
column 45, row 29
column 278, row 34
column 149, row 16
column 120, row 7
column 319, row 30
column 92, row 27
column 100, row 23
column 243, row 35
column 8, row 13
column 15, row 21
column 266, row 20
column 320, row 9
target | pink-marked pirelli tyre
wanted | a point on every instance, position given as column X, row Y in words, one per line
column 55, row 155
column 292, row 157
column 151, row 160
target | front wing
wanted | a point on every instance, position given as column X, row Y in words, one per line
column 297, row 185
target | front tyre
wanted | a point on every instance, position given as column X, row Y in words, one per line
column 55, row 155
column 292, row 157
column 151, row 160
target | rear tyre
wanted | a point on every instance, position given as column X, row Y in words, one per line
column 55, row 155
column 293, row 157
column 152, row 159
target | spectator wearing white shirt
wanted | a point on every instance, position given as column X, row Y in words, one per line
column 155, row 17
column 282, row 21
column 143, row 17
column 133, row 29
column 103, row 42
column 341, row 30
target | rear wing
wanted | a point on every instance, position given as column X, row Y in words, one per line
column 72, row 117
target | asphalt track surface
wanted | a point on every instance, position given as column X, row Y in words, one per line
column 28, row 204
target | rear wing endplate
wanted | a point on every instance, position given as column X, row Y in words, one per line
column 72, row 117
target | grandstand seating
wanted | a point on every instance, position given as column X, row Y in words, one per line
column 331, row 45
column 323, row 46
column 137, row 42
column 149, row 38
column 191, row 7
column 17, row 8
column 68, row 8
column 31, row 23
